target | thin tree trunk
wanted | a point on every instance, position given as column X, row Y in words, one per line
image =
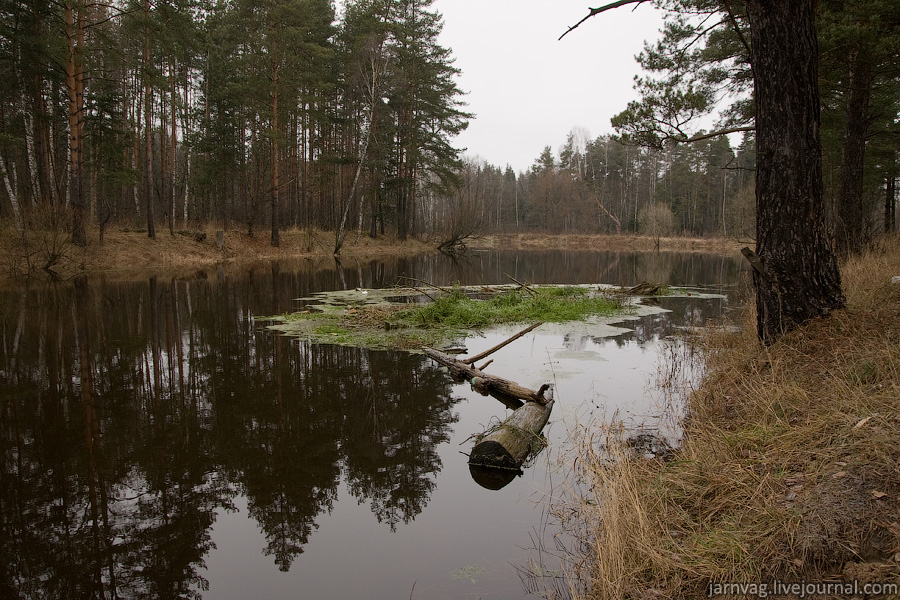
column 889, row 204
column 363, row 150
column 148, row 129
column 172, row 145
column 798, row 279
column 74, row 19
column 276, row 240
column 10, row 191
column 374, row 71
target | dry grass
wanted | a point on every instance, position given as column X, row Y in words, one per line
column 123, row 251
column 126, row 252
column 790, row 468
column 633, row 243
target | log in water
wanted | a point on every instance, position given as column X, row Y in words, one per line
column 502, row 389
column 514, row 440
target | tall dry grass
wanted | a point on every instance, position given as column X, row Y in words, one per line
column 790, row 466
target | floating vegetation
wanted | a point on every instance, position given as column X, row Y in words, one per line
column 406, row 318
column 469, row 572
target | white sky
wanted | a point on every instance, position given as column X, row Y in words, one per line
column 529, row 90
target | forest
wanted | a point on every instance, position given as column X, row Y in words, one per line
column 264, row 115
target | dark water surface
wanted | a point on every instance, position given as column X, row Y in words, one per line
column 159, row 441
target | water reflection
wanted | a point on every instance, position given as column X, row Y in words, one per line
column 132, row 415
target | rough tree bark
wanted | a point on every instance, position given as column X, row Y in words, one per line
column 510, row 444
column 799, row 278
column 795, row 272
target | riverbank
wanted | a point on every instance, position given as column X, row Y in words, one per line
column 123, row 251
column 789, row 469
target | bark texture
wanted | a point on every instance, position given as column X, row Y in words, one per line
column 510, row 444
column 800, row 279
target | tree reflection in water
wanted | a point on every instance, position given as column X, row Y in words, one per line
column 133, row 413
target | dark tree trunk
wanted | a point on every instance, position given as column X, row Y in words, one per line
column 890, row 223
column 799, row 279
column 148, row 126
column 74, row 16
column 276, row 238
column 852, row 233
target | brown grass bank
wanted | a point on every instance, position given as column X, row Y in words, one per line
column 790, row 468
column 46, row 250
column 626, row 243
column 126, row 251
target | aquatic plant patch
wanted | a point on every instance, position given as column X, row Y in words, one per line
column 408, row 318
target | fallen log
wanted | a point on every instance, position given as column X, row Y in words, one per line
column 503, row 389
column 512, row 442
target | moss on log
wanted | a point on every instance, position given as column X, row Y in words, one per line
column 515, row 440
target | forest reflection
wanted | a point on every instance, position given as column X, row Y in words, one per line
column 133, row 413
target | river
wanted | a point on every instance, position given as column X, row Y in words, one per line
column 160, row 441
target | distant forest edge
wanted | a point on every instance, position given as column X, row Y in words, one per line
column 276, row 114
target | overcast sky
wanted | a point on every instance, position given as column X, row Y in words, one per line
column 527, row 89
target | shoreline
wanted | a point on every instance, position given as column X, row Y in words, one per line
column 126, row 252
column 789, row 466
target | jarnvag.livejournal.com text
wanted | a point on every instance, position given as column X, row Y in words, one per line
column 801, row 589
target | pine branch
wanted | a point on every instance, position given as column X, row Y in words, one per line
column 597, row 11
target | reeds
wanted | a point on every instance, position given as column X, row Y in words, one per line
column 789, row 469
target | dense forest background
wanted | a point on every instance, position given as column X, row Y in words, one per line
column 268, row 114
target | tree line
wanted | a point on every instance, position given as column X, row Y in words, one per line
column 605, row 185
column 287, row 114
column 254, row 114
column 671, row 156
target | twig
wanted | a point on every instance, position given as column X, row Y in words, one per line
column 437, row 287
column 469, row 361
column 484, row 366
column 421, row 291
column 522, row 285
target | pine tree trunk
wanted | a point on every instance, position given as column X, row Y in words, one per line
column 852, row 233
column 74, row 18
column 275, row 239
column 799, row 278
column 148, row 130
column 889, row 205
column 173, row 144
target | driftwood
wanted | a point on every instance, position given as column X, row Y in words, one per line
column 498, row 457
column 514, row 440
column 644, row 289
column 521, row 285
column 509, row 392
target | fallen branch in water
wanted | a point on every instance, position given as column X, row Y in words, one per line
column 478, row 357
column 509, row 392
